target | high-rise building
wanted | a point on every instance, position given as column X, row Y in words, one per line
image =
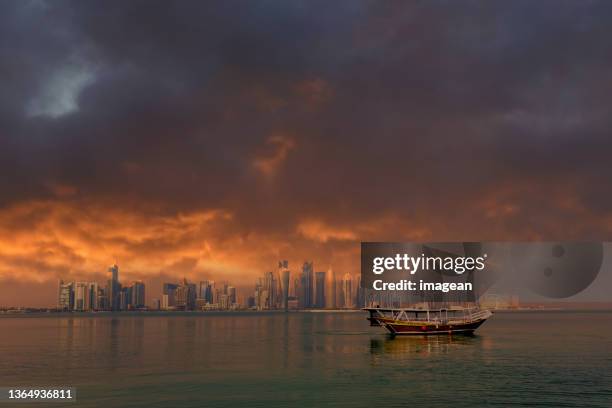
column 330, row 289
column 296, row 288
column 165, row 303
column 94, row 291
column 305, row 295
column 347, row 291
column 137, row 299
column 266, row 292
column 258, row 295
column 206, row 291
column 65, row 295
column 182, row 297
column 283, row 280
column 250, row 302
column 102, row 299
column 168, row 296
column 319, row 290
column 186, row 296
column 224, row 301
column 339, row 291
column 80, row 296
column 125, row 296
column 270, row 287
column 113, row 288
column 359, row 293
column 231, row 293
column 219, row 289
column 85, row 296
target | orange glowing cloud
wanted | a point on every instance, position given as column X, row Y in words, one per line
column 382, row 228
column 44, row 241
column 319, row 231
column 269, row 163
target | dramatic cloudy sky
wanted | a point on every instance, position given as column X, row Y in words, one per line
column 209, row 139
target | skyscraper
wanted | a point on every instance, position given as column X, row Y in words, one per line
column 258, row 294
column 125, row 296
column 94, row 292
column 231, row 293
column 306, row 285
column 224, row 301
column 205, row 291
column 359, row 293
column 284, row 274
column 347, row 291
column 65, row 295
column 186, row 296
column 168, row 296
column 330, row 289
column 138, row 295
column 85, row 296
column 80, row 294
column 113, row 288
column 102, row 299
column 319, row 289
column 270, row 287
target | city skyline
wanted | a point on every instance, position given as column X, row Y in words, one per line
column 285, row 288
column 275, row 290
column 47, row 294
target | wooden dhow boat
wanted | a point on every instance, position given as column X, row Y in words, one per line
column 417, row 321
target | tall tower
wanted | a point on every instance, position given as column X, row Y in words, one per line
column 113, row 271
column 347, row 289
column 94, row 301
column 284, row 274
column 168, row 300
column 65, row 295
column 231, row 294
column 306, row 285
column 330, row 290
column 186, row 295
column 85, row 296
column 138, row 295
column 272, row 288
column 206, row 291
column 320, row 289
column 113, row 288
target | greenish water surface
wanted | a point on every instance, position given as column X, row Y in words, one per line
column 547, row 359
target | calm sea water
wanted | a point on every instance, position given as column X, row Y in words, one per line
column 555, row 359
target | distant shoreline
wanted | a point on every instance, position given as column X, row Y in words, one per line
column 43, row 312
column 163, row 313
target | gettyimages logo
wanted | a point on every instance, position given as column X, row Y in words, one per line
column 550, row 269
column 457, row 264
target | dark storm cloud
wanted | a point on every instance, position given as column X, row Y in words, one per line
column 323, row 121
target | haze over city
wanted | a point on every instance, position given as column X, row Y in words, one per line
column 183, row 149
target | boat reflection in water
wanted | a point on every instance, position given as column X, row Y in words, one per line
column 401, row 347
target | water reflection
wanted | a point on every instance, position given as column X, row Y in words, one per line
column 401, row 346
column 307, row 359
